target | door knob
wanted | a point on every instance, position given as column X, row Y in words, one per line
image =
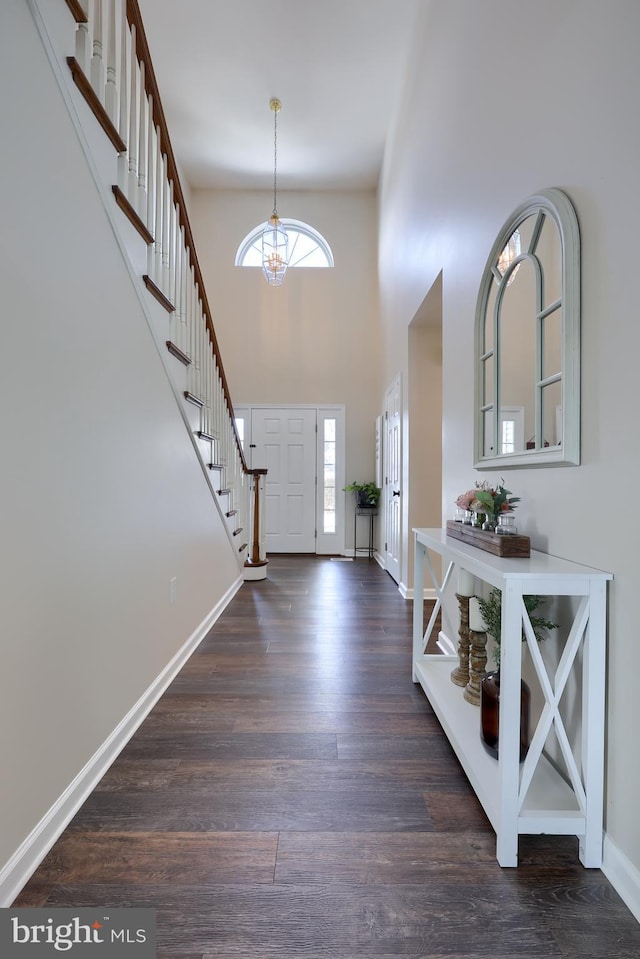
column 396, row 492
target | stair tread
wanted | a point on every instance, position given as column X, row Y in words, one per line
column 178, row 353
column 192, row 398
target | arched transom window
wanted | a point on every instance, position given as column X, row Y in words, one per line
column 307, row 247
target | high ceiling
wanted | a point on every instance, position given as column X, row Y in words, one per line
column 336, row 65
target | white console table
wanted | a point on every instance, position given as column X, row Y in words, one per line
column 533, row 796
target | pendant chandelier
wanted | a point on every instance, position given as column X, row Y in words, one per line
column 275, row 242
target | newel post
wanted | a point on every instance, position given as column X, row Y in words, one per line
column 255, row 566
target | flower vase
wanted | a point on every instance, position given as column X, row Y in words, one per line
column 490, row 714
column 506, row 525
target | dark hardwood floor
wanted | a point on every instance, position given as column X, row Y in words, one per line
column 292, row 795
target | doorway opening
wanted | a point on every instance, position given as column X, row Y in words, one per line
column 424, row 399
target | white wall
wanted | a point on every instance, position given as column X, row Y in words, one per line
column 102, row 499
column 316, row 338
column 496, row 107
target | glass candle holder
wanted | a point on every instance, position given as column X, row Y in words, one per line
column 507, row 524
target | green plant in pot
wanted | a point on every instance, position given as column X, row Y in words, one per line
column 491, row 610
column 367, row 494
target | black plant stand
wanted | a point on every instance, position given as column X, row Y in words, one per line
column 371, row 512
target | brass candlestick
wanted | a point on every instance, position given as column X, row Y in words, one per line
column 477, row 664
column 460, row 675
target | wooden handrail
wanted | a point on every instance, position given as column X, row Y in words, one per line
column 76, row 9
column 151, row 86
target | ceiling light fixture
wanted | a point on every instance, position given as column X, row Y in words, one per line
column 275, row 242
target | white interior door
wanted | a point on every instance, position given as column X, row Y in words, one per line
column 393, row 480
column 284, row 442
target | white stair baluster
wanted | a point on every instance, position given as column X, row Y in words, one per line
column 150, row 213
column 224, row 452
column 191, row 344
column 111, row 88
column 184, row 279
column 206, row 362
column 236, row 478
column 123, row 112
column 83, row 39
column 97, row 75
column 219, row 400
column 156, row 274
column 209, row 381
column 203, row 372
column 143, row 121
column 215, row 404
column 197, row 340
column 176, row 316
column 222, row 405
column 132, row 140
column 166, row 224
column 172, row 244
column 191, row 371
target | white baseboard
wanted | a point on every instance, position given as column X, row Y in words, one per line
column 407, row 592
column 16, row 872
column 623, row 876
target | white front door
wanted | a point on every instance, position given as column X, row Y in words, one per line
column 283, row 441
column 393, row 479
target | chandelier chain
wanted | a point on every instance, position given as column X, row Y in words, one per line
column 275, row 160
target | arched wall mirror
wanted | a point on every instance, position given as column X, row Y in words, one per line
column 527, row 340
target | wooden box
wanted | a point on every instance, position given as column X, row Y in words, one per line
column 510, row 546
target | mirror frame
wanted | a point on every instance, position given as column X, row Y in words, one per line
column 556, row 204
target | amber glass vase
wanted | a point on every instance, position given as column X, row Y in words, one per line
column 490, row 714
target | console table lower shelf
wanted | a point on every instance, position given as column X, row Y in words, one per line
column 532, row 796
column 550, row 805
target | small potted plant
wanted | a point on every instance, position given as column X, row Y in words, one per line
column 491, row 611
column 367, row 494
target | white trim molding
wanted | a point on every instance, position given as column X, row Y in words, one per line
column 623, row 875
column 26, row 859
column 407, row 592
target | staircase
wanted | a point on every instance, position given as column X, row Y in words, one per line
column 100, row 56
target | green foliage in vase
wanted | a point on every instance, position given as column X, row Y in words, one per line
column 491, row 610
column 369, row 493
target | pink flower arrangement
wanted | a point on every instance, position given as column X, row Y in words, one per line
column 488, row 499
column 465, row 500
